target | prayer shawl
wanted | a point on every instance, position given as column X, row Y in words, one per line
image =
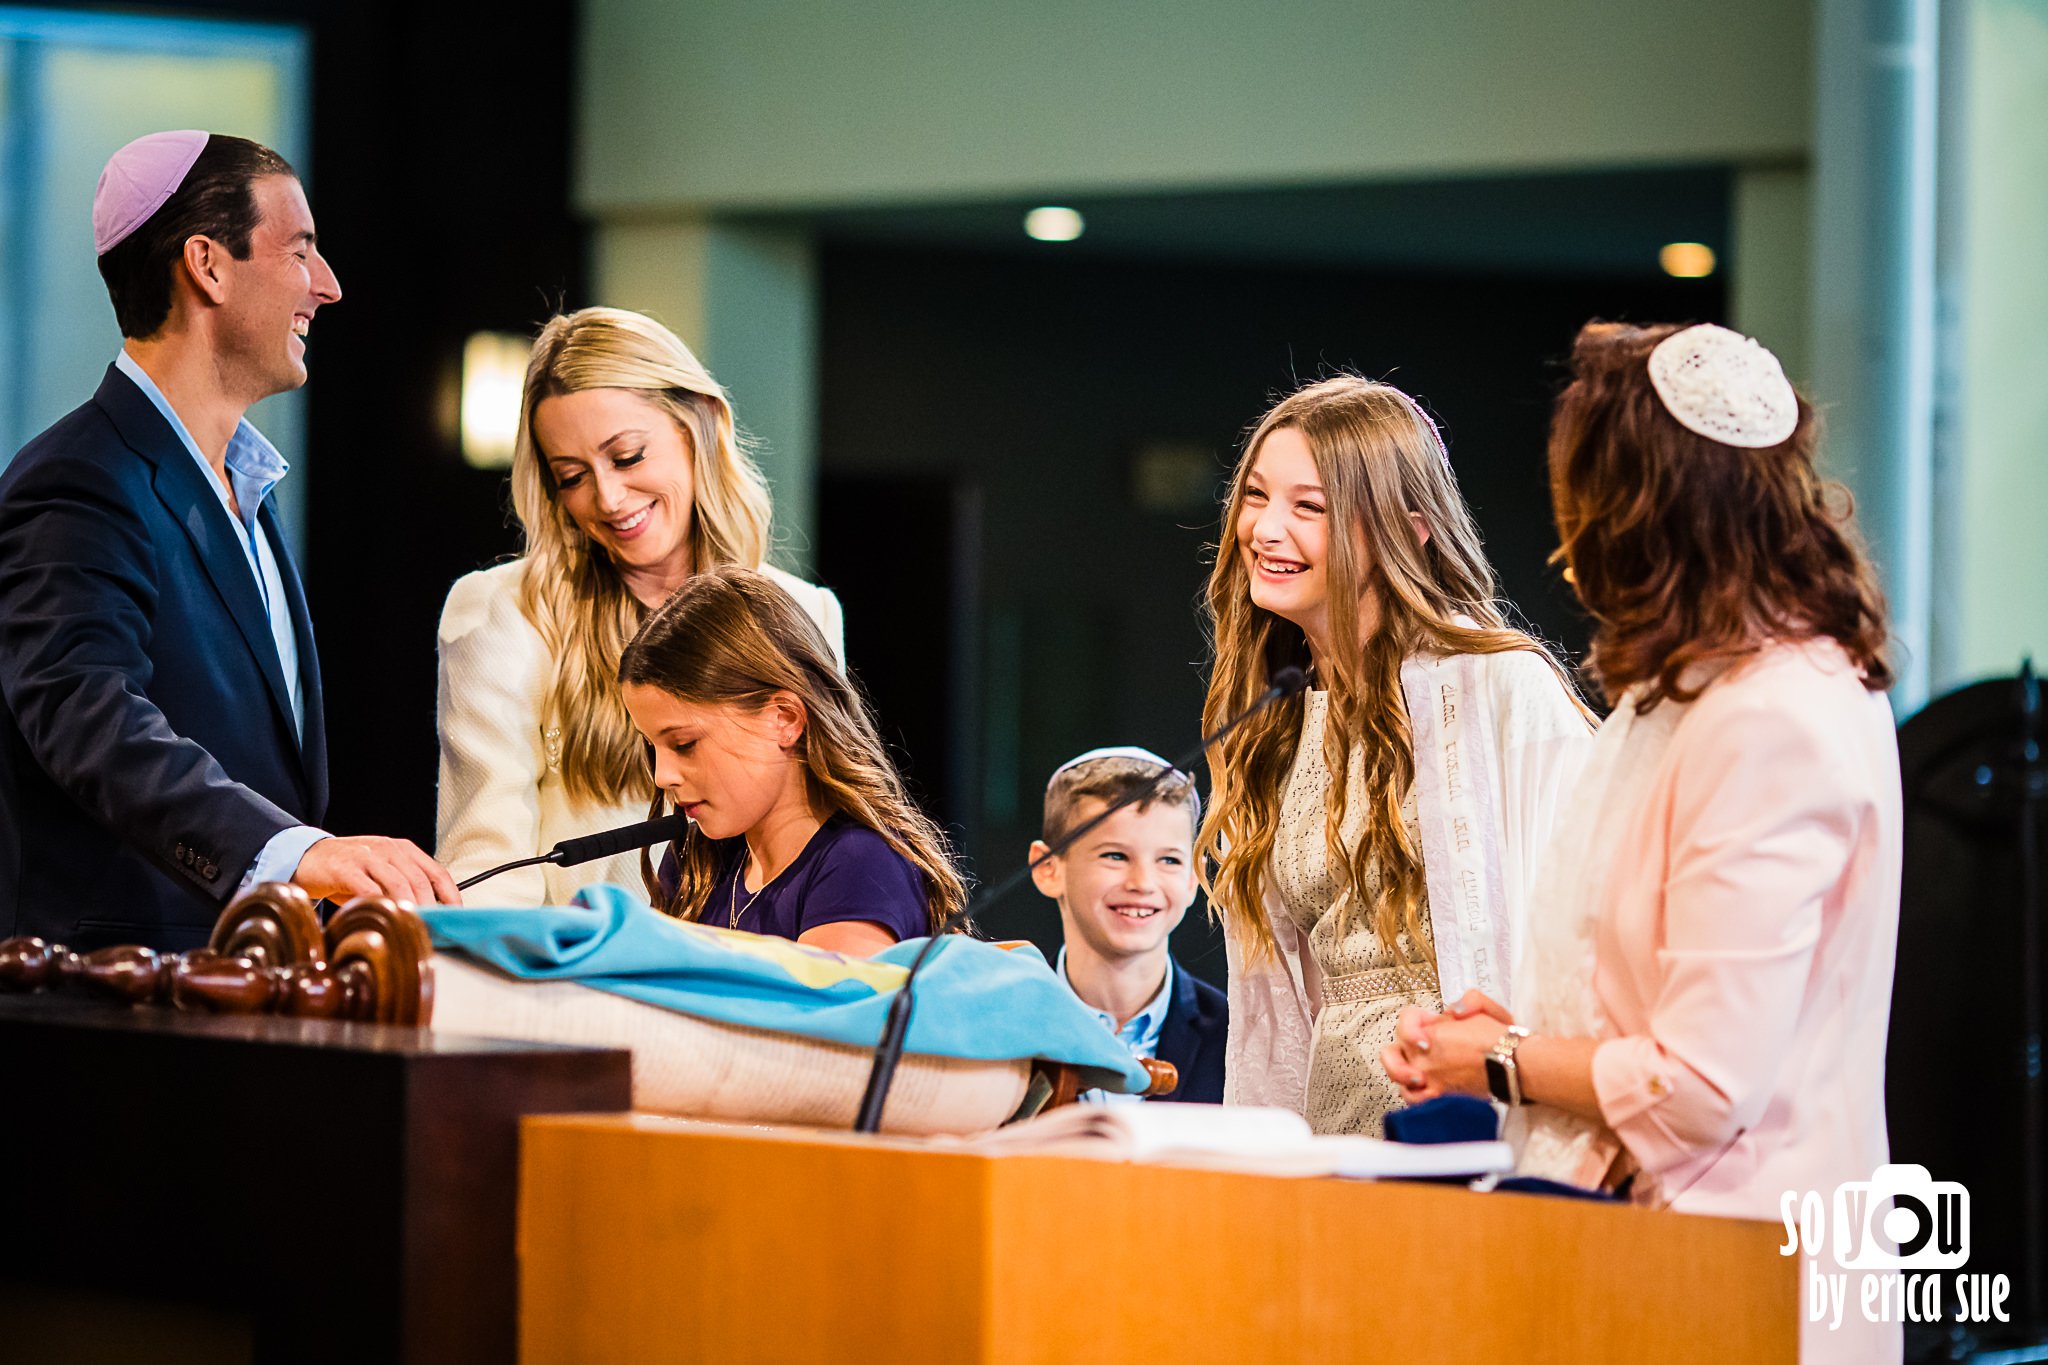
column 1557, row 975
column 1499, row 743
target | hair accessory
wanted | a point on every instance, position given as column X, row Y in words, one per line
column 1724, row 386
column 136, row 182
column 1130, row 751
column 1428, row 424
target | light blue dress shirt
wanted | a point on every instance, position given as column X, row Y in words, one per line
column 254, row 467
column 1140, row 1034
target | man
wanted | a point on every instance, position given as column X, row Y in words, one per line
column 1122, row 888
column 161, row 737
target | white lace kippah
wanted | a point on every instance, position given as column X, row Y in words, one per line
column 1725, row 386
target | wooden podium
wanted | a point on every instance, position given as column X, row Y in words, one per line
column 268, row 1191
column 647, row 1240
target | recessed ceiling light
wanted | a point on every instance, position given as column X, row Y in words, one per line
column 1687, row 260
column 1053, row 224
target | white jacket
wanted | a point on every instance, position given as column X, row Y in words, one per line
column 501, row 798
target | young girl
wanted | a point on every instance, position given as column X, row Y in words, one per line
column 800, row 825
column 1373, row 839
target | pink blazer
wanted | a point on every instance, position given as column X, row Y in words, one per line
column 1746, row 940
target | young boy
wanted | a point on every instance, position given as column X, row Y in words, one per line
column 1121, row 889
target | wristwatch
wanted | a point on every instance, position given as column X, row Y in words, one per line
column 1503, row 1078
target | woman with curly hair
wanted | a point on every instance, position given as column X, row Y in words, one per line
column 1712, row 955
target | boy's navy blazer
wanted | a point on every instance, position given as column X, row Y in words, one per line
column 147, row 751
column 1197, row 1018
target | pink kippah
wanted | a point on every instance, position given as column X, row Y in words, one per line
column 137, row 181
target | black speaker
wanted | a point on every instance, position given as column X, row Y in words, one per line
column 1963, row 1083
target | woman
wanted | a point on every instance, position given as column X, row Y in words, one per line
column 1713, row 959
column 800, row 825
column 628, row 477
column 1372, row 838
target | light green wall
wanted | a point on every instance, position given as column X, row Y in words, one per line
column 1769, row 280
column 58, row 126
column 744, row 299
column 1999, row 558
column 721, row 104
column 657, row 269
column 693, row 113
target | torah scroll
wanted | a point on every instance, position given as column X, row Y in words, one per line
column 701, row 1068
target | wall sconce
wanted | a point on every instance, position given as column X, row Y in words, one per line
column 1687, row 260
column 1053, row 223
column 493, row 372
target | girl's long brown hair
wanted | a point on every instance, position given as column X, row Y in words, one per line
column 1688, row 551
column 1379, row 459
column 731, row 636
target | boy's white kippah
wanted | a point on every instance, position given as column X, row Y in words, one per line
column 1724, row 386
column 1113, row 751
column 1130, row 751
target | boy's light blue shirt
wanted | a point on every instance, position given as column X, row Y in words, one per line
column 1140, row 1034
column 255, row 467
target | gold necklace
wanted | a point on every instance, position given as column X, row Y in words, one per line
column 733, row 919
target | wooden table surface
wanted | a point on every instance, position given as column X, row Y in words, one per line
column 648, row 1240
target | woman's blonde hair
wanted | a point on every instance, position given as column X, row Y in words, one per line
column 570, row 590
column 730, row 636
column 1379, row 458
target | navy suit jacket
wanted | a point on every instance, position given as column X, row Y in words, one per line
column 147, row 752
column 1197, row 1017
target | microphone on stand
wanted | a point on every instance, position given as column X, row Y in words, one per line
column 603, row 844
column 896, row 1027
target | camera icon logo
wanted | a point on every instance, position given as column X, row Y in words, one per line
column 1902, row 1219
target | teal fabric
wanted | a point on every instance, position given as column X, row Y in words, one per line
column 974, row 1000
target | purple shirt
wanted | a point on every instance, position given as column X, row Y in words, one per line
column 846, row 872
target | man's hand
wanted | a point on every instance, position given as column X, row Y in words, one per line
column 369, row 865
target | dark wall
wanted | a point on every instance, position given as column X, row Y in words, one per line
column 439, row 180
column 441, row 185
column 1033, row 382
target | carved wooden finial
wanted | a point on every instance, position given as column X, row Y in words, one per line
column 1165, row 1077
column 272, row 923
column 381, row 952
column 268, row 955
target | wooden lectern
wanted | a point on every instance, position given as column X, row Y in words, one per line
column 266, row 1191
column 650, row 1240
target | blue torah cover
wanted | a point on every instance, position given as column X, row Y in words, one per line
column 974, row 1000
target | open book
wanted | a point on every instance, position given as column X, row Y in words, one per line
column 1235, row 1138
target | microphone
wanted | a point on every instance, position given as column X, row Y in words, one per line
column 896, row 1026
column 603, row 844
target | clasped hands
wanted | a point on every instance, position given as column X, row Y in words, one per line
column 1445, row 1054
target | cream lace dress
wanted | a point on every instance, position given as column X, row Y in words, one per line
column 1364, row 985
